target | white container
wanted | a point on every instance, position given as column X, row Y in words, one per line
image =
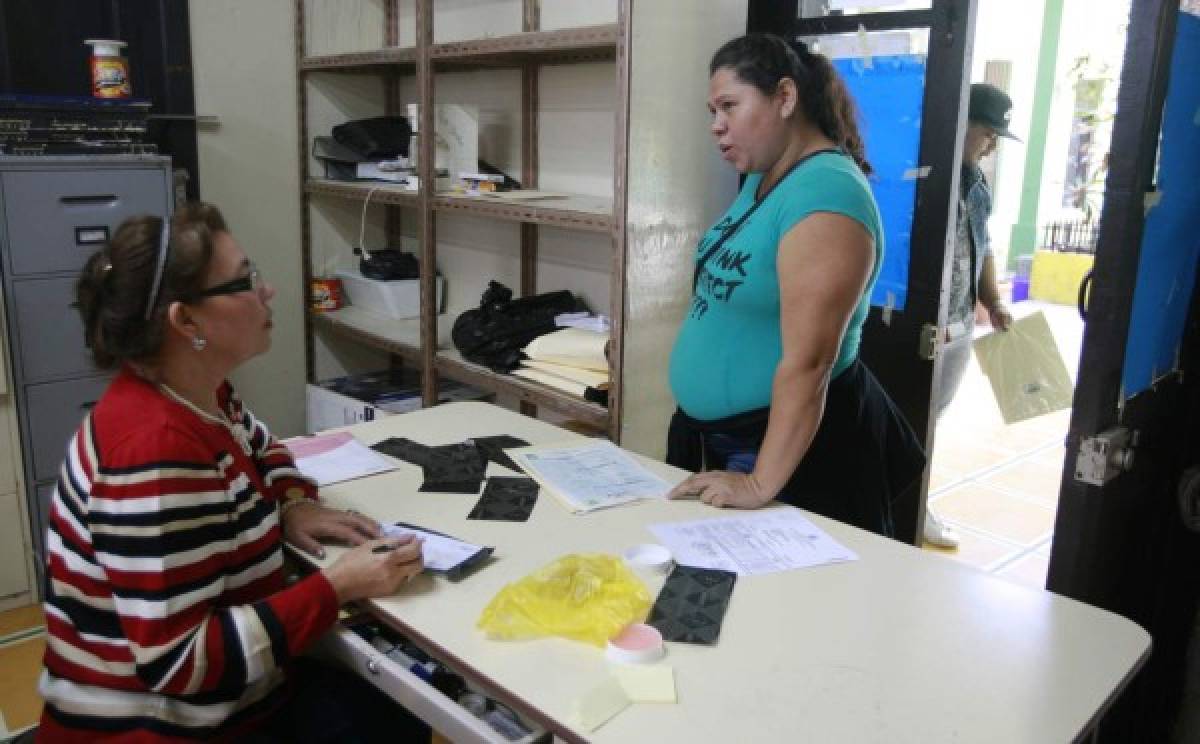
column 398, row 298
column 326, row 409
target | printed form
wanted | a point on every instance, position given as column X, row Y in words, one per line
column 589, row 476
column 773, row 540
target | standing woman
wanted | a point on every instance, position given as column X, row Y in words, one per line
column 774, row 402
column 167, row 612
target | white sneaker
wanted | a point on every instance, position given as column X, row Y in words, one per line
column 938, row 533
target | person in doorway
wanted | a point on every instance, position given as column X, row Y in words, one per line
column 973, row 270
column 774, row 402
column 167, row 611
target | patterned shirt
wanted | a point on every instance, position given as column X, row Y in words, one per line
column 731, row 341
column 972, row 244
column 166, row 608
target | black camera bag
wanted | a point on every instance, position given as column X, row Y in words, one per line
column 494, row 333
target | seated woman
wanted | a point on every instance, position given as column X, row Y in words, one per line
column 167, row 611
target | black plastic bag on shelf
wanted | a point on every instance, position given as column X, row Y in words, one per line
column 494, row 333
column 387, row 264
column 377, row 138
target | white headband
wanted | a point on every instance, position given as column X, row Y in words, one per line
column 163, row 244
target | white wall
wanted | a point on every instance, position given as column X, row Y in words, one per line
column 678, row 186
column 243, row 60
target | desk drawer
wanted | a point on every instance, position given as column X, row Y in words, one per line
column 57, row 218
column 444, row 715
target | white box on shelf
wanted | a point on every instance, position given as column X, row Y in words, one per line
column 397, row 298
column 367, row 396
column 326, row 409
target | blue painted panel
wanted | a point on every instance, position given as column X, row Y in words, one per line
column 890, row 91
column 1171, row 238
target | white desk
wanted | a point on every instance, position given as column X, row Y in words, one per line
column 899, row 646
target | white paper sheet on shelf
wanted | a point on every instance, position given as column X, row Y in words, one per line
column 757, row 543
column 577, row 375
column 523, row 195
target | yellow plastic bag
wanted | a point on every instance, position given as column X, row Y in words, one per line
column 583, row 597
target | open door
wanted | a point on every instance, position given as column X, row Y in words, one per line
column 1120, row 538
column 905, row 62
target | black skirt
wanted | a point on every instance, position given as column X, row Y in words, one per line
column 864, row 454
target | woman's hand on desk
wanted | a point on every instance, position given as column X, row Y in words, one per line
column 306, row 524
column 376, row 568
column 722, row 488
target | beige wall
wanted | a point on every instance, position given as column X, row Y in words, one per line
column 16, row 586
column 243, row 61
column 678, row 186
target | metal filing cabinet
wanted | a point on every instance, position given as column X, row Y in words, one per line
column 54, row 213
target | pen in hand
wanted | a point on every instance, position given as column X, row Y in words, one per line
column 389, row 547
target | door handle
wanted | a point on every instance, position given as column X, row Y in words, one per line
column 1189, row 498
column 1101, row 458
column 88, row 200
column 1084, row 286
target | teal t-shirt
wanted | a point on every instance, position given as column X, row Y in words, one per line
column 730, row 343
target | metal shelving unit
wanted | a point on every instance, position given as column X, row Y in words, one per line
column 413, row 342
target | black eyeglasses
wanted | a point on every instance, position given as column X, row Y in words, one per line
column 251, row 282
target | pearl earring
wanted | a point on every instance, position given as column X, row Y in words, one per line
column 198, row 343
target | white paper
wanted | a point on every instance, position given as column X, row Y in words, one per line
column 332, row 458
column 439, row 552
column 758, row 543
column 589, row 476
column 586, row 321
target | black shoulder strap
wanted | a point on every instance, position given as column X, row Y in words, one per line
column 733, row 228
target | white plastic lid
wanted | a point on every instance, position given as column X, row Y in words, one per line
column 636, row 644
column 106, row 47
column 649, row 556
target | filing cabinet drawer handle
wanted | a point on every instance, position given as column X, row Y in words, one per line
column 88, row 200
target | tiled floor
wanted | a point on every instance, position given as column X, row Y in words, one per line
column 997, row 485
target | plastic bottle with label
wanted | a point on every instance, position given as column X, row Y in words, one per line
column 110, row 71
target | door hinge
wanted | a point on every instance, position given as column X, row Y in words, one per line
column 1104, row 456
column 927, row 347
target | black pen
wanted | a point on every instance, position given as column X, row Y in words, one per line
column 389, row 547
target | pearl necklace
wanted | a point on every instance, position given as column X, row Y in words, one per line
column 236, row 429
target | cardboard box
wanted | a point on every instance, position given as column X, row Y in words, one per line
column 398, row 298
column 353, row 399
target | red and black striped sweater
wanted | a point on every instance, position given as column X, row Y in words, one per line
column 167, row 613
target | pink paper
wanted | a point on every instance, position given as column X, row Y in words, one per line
column 318, row 445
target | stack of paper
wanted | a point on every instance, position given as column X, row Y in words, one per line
column 572, row 360
column 335, row 457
